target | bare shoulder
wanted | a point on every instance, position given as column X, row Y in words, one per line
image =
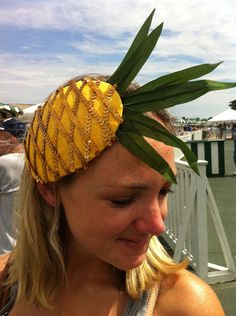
column 3, row 261
column 183, row 293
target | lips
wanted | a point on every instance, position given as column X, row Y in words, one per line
column 134, row 243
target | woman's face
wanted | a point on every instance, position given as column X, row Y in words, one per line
column 115, row 206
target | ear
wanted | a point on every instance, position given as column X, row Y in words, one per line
column 47, row 191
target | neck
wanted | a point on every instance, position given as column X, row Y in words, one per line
column 85, row 270
column 91, row 279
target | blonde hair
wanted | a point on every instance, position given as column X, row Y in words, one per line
column 37, row 262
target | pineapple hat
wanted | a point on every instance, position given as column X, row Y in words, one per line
column 80, row 119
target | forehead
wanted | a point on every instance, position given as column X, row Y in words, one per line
column 117, row 164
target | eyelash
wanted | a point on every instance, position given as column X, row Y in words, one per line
column 122, row 203
column 166, row 191
column 127, row 202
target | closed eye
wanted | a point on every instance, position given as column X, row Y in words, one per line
column 122, row 202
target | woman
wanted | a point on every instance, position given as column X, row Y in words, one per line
column 94, row 198
column 112, row 210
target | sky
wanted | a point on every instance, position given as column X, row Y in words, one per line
column 46, row 42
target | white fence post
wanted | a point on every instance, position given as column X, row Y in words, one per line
column 186, row 225
column 200, row 237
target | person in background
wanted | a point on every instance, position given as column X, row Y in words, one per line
column 15, row 127
column 223, row 130
column 11, row 166
column 218, row 132
column 93, row 199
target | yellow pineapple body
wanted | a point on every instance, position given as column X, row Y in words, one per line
column 72, row 127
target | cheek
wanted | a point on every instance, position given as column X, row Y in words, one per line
column 82, row 225
column 89, row 218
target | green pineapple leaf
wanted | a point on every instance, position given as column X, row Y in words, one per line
column 173, row 95
column 176, row 77
column 139, row 38
column 151, row 128
column 136, row 58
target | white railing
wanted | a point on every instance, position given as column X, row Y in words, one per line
column 186, row 225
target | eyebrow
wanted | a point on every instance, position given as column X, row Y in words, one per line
column 131, row 186
column 135, row 185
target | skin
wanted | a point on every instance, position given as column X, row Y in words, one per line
column 112, row 210
column 185, row 294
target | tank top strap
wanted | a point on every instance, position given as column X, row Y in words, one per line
column 145, row 305
column 6, row 309
column 152, row 300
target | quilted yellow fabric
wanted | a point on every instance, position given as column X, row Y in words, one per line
column 73, row 126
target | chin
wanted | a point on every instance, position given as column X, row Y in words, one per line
column 130, row 264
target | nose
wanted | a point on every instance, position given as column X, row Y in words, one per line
column 151, row 221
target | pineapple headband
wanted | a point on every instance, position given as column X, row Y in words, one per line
column 82, row 118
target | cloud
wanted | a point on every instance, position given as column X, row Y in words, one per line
column 58, row 40
column 106, row 17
